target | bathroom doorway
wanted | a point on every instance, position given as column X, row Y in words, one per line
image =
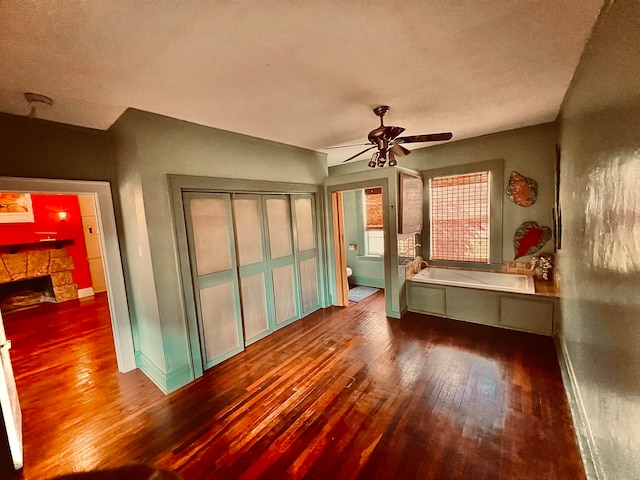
column 360, row 243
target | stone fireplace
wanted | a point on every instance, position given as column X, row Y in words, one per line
column 35, row 276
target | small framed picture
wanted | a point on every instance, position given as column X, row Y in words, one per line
column 16, row 208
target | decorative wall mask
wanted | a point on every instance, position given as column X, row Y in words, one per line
column 530, row 238
column 522, row 190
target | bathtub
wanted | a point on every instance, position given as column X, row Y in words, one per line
column 504, row 282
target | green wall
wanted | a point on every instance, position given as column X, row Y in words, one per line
column 41, row 149
column 530, row 151
column 599, row 262
column 147, row 148
column 366, row 270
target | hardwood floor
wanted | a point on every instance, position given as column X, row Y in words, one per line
column 343, row 393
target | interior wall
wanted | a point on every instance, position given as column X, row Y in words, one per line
column 41, row 149
column 599, row 262
column 366, row 270
column 530, row 151
column 147, row 148
column 45, row 216
column 37, row 149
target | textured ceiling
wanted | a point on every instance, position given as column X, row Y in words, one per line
column 304, row 73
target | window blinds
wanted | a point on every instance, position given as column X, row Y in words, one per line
column 373, row 208
column 459, row 211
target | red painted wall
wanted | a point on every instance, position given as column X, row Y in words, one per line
column 48, row 224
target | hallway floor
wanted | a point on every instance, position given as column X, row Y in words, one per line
column 343, row 393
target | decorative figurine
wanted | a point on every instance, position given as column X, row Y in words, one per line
column 541, row 265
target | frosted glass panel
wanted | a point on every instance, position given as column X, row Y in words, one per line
column 219, row 320
column 283, row 292
column 254, row 305
column 210, row 220
column 309, row 283
column 279, row 227
column 248, row 231
column 304, row 224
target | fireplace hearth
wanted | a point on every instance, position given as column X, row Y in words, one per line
column 26, row 293
column 32, row 277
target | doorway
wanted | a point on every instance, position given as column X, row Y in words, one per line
column 103, row 216
column 361, row 241
column 109, row 246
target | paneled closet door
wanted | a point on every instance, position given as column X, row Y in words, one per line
column 255, row 281
column 281, row 259
column 213, row 265
column 303, row 209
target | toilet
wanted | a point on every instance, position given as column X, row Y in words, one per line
column 349, row 273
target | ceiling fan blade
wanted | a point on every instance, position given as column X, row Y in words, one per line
column 430, row 137
column 344, row 146
column 392, row 132
column 398, row 150
column 358, row 154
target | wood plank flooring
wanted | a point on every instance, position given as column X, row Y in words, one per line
column 341, row 394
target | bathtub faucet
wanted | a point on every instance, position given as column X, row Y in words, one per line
column 420, row 264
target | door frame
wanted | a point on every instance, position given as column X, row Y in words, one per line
column 342, row 281
column 390, row 237
column 110, row 249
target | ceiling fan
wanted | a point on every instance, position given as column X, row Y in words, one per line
column 389, row 145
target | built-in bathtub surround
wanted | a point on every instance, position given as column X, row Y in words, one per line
column 490, row 298
column 543, row 287
column 413, row 267
column 504, row 282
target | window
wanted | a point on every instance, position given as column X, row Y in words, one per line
column 460, row 217
column 374, row 230
column 374, row 242
column 465, row 214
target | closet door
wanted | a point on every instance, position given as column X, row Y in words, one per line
column 281, row 259
column 255, row 281
column 213, row 265
column 303, row 209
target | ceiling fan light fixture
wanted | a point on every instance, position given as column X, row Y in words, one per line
column 392, row 159
column 374, row 160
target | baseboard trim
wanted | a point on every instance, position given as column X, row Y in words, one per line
column 85, row 292
column 167, row 382
column 178, row 378
column 368, row 281
column 584, row 435
column 151, row 370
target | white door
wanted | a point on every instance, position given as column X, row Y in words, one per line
column 306, row 251
column 281, row 258
column 9, row 401
column 92, row 242
column 255, row 285
column 213, row 264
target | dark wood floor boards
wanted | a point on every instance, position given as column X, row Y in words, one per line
column 341, row 394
